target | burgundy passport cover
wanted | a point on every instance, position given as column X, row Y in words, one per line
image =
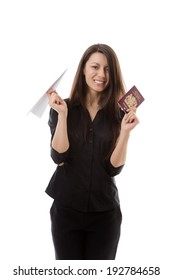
column 133, row 98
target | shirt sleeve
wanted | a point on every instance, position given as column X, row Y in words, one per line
column 56, row 156
column 113, row 171
column 59, row 157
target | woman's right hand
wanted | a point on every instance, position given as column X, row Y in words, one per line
column 56, row 102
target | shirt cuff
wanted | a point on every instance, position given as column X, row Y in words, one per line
column 113, row 171
column 59, row 157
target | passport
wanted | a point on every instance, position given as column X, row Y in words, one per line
column 133, row 98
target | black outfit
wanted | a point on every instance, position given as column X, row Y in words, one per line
column 86, row 215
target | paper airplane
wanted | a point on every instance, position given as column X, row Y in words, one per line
column 40, row 106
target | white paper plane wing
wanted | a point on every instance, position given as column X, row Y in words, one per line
column 40, row 106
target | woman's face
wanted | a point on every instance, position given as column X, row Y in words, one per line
column 96, row 72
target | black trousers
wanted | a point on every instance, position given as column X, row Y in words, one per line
column 85, row 236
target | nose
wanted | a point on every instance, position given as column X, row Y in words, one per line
column 101, row 73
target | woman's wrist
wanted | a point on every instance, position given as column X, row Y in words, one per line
column 62, row 115
column 124, row 134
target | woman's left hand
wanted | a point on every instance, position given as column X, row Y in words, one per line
column 129, row 120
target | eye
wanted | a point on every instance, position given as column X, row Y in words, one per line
column 107, row 69
column 95, row 67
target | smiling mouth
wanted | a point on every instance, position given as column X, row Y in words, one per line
column 99, row 82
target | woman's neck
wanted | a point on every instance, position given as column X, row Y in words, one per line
column 92, row 100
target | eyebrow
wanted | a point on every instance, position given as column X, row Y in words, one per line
column 99, row 64
column 95, row 63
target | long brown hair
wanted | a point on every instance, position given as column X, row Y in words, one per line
column 115, row 89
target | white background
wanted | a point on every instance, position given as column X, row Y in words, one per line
column 39, row 39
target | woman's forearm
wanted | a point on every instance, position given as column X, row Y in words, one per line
column 118, row 156
column 60, row 141
column 129, row 121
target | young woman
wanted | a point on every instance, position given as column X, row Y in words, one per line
column 90, row 134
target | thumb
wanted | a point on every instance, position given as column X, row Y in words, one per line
column 50, row 91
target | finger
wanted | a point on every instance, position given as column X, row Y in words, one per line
column 50, row 91
column 130, row 117
column 129, row 114
column 60, row 99
column 131, row 109
column 53, row 99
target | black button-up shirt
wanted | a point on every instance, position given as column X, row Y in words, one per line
column 86, row 180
